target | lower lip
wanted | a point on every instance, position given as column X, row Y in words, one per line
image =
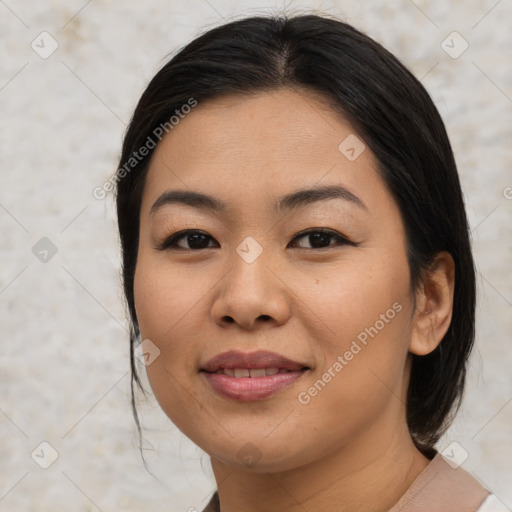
column 251, row 388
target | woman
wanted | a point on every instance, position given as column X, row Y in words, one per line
column 296, row 260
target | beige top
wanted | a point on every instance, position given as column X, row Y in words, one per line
column 438, row 488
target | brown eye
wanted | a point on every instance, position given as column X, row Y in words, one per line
column 320, row 239
column 187, row 240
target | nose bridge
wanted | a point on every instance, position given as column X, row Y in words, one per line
column 250, row 250
column 250, row 290
column 249, row 268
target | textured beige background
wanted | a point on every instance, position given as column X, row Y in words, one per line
column 64, row 358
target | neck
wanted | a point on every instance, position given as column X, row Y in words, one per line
column 357, row 477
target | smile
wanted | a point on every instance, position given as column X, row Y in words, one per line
column 250, row 372
column 250, row 376
column 249, row 387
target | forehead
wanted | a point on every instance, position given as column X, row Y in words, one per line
column 246, row 125
column 265, row 144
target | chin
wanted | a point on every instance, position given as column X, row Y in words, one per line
column 260, row 456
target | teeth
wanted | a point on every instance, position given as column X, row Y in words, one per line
column 252, row 372
column 257, row 372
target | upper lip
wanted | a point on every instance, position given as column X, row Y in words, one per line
column 258, row 359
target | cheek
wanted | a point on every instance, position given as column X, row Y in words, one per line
column 366, row 308
column 159, row 308
column 165, row 295
column 360, row 372
column 353, row 298
column 168, row 303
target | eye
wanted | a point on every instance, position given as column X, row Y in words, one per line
column 320, row 239
column 195, row 239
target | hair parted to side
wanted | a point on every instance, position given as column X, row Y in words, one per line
column 389, row 109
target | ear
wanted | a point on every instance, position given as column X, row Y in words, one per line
column 434, row 305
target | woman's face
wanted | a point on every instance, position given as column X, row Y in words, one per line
column 320, row 278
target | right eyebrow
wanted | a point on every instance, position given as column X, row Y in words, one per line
column 190, row 198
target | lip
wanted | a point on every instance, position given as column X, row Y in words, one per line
column 259, row 359
column 251, row 388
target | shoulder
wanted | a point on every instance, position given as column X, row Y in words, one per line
column 445, row 487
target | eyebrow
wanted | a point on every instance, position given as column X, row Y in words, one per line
column 294, row 200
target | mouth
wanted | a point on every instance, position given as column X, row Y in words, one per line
column 249, row 376
column 238, row 373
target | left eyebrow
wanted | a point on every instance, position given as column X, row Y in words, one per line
column 307, row 196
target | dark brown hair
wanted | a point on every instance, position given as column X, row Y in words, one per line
column 393, row 114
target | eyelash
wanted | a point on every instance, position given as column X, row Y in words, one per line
column 170, row 242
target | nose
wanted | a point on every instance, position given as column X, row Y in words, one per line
column 250, row 295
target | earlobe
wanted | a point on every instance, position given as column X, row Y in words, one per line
column 434, row 305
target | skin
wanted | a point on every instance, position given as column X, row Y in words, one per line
column 308, row 304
